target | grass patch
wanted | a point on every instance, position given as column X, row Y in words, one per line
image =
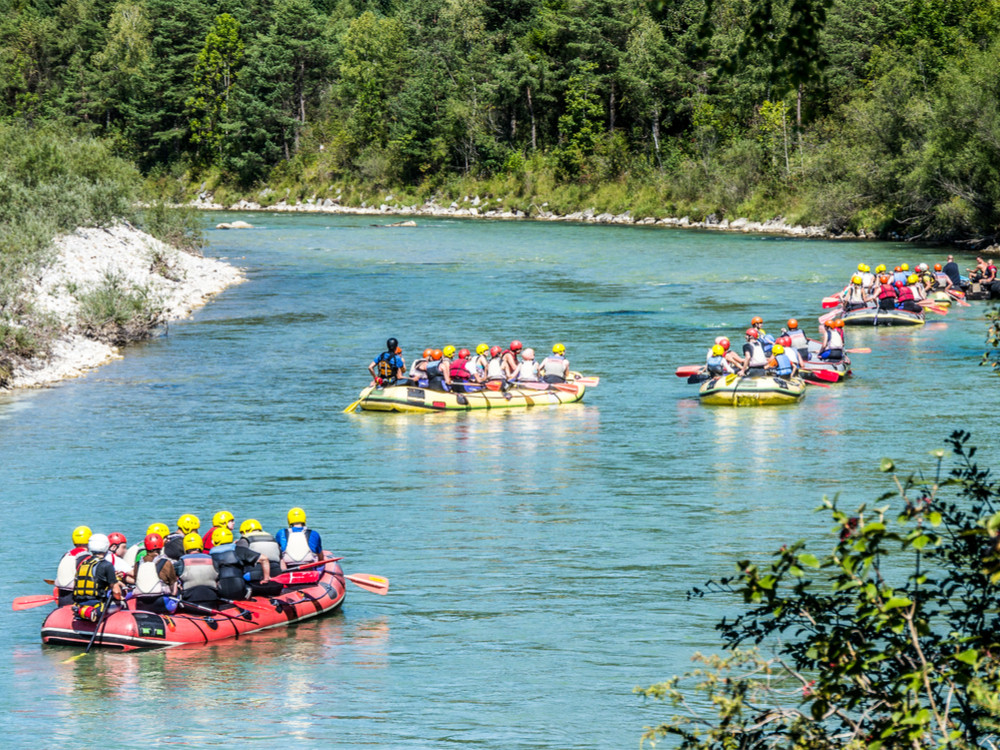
column 117, row 312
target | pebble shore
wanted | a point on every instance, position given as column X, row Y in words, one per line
column 178, row 281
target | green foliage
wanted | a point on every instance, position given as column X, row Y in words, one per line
column 887, row 640
column 579, row 126
column 117, row 312
column 215, row 74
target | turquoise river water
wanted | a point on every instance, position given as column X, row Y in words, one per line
column 539, row 559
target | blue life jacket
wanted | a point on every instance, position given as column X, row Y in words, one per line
column 784, row 368
column 716, row 365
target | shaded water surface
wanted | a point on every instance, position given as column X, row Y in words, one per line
column 539, row 559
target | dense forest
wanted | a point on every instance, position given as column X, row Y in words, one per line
column 876, row 115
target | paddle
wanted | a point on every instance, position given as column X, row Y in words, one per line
column 685, row 371
column 244, row 614
column 859, row 350
column 375, row 584
column 295, row 577
column 813, row 382
column 829, row 302
column 97, row 629
column 30, row 602
column 318, row 563
column 935, row 308
column 591, row 381
column 362, row 397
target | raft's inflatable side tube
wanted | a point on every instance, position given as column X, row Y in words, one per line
column 738, row 390
column 876, row 317
column 403, row 398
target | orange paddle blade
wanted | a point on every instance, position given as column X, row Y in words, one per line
column 29, row 602
column 369, row 582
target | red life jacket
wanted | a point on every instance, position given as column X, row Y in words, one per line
column 886, row 290
column 904, row 294
column 458, row 369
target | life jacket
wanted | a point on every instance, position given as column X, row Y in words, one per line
column 385, row 368
column 918, row 292
column 85, row 585
column 899, row 277
column 264, row 545
column 494, row 370
column 855, row 295
column 434, row 369
column 147, row 577
column 198, row 569
column 526, row 371
column 415, row 369
column 716, row 365
column 66, row 572
column 297, row 550
column 459, row 369
column 784, row 368
column 757, row 356
column 173, row 545
column 555, row 365
column 229, row 564
column 767, row 341
column 886, row 290
column 477, row 365
column 798, row 338
column 904, row 293
column 836, row 339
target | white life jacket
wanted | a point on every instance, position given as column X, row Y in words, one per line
column 798, row 338
column 147, row 578
column 526, row 371
column 757, row 356
column 131, row 553
column 66, row 573
column 264, row 545
column 836, row 339
column 297, row 549
column 556, row 365
column 494, row 370
column 198, row 569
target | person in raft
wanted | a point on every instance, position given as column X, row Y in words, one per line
column 715, row 362
column 221, row 520
column 905, row 299
column 856, row 297
column 781, row 364
column 173, row 543
column 116, row 555
column 138, row 550
column 66, row 572
column 438, row 373
column 298, row 544
column 197, row 572
column 555, row 367
column 527, row 369
column 232, row 562
column 508, row 358
column 766, row 340
column 797, row 337
column 155, row 577
column 388, row 367
column 254, row 538
column 754, row 358
column 950, row 269
column 832, row 346
column 96, row 581
column 790, row 351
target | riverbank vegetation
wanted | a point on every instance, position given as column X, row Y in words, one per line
column 51, row 182
column 873, row 115
column 887, row 640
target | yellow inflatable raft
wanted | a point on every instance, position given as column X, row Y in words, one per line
column 405, row 398
column 737, row 390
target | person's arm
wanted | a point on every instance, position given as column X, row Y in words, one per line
column 265, row 565
column 318, row 542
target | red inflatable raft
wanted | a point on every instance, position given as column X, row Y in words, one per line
column 132, row 628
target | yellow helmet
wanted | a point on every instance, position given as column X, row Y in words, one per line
column 188, row 523
column 250, row 525
column 222, row 518
column 192, row 541
column 718, row 351
column 856, row 280
column 448, row 351
column 861, row 267
column 912, row 279
column 777, row 349
column 296, row 515
column 158, row 528
column 880, row 268
column 221, row 535
column 558, row 349
column 905, row 266
column 482, row 348
column 81, row 535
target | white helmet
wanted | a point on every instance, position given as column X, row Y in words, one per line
column 98, row 544
column 922, row 267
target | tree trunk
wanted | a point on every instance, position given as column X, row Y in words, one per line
column 611, row 109
column 531, row 113
column 656, row 135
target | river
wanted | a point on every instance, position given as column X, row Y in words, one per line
column 539, row 559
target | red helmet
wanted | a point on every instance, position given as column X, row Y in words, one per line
column 724, row 343
column 757, row 321
column 495, row 351
column 516, row 346
column 116, row 538
column 784, row 341
column 427, row 353
column 153, row 542
column 436, row 354
column 897, row 269
column 752, row 333
column 792, row 324
column 884, row 279
column 463, row 353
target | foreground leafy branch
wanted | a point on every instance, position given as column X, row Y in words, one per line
column 889, row 640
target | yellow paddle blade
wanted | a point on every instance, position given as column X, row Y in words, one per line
column 352, row 407
column 74, row 658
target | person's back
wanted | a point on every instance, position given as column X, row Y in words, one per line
column 232, row 562
column 66, row 571
column 154, row 575
column 95, row 580
column 494, row 368
column 173, row 543
column 527, row 370
column 254, row 538
column 197, row 572
column 952, row 272
column 753, row 354
column 299, row 544
column 555, row 367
